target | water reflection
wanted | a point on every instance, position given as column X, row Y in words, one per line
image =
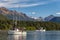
column 49, row 35
column 36, row 36
column 52, row 35
column 16, row 37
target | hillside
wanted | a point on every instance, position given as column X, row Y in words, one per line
column 2, row 17
column 10, row 14
column 26, row 22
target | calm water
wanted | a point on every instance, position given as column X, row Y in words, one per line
column 34, row 35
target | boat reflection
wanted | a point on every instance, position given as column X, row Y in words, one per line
column 16, row 37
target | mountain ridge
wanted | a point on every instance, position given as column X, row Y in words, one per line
column 10, row 13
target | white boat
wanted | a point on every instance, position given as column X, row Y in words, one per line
column 17, row 32
column 42, row 30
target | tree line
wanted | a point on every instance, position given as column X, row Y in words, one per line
column 29, row 25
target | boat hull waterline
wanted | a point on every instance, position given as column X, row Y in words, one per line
column 41, row 30
column 13, row 32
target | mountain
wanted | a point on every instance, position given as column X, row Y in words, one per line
column 10, row 14
column 49, row 18
column 53, row 18
column 39, row 19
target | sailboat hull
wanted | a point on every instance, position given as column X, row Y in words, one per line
column 13, row 32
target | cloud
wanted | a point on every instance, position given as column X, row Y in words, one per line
column 13, row 1
column 23, row 3
column 33, row 12
column 10, row 5
column 58, row 13
column 34, row 4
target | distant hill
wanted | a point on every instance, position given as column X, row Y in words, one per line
column 53, row 18
column 48, row 18
column 39, row 19
column 14, row 14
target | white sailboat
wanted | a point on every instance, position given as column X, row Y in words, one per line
column 15, row 30
column 41, row 29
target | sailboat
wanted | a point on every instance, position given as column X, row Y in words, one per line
column 16, row 31
column 41, row 29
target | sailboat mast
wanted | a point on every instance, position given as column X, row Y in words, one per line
column 13, row 22
column 16, row 21
column 13, row 18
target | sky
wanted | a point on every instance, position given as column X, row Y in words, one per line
column 33, row 8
